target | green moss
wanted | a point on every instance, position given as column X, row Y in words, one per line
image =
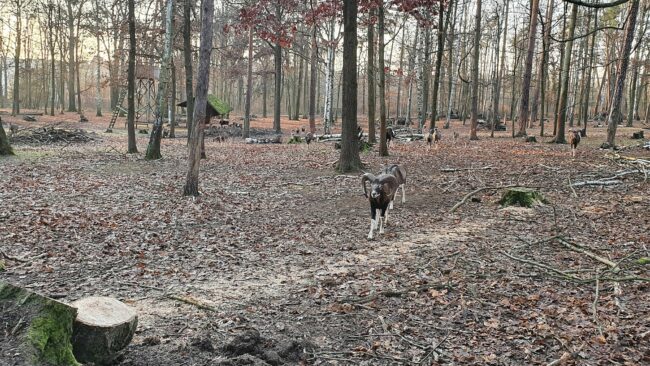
column 50, row 334
column 2, row 265
column 643, row 261
column 523, row 197
column 219, row 105
column 295, row 140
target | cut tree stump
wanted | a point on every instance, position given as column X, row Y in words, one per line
column 37, row 330
column 637, row 135
column 104, row 326
column 524, row 197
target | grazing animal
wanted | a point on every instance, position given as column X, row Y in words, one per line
column 382, row 192
column 574, row 140
column 400, row 174
column 13, row 129
column 359, row 133
column 433, row 137
column 390, row 135
column 309, row 137
column 456, row 135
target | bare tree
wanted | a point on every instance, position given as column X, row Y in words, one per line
column 130, row 115
column 203, row 80
column 528, row 69
column 349, row 159
column 5, row 147
column 475, row 80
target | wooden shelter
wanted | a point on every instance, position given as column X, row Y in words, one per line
column 214, row 108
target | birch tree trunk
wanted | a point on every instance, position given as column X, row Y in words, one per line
column 203, row 81
column 153, row 149
column 249, row 86
column 313, row 70
column 475, row 80
column 329, row 81
column 383, row 146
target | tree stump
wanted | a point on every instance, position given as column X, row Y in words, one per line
column 530, row 139
column 524, row 197
column 104, row 326
column 637, row 135
column 38, row 329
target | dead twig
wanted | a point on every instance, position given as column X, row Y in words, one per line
column 449, row 170
column 584, row 251
column 11, row 257
column 396, row 293
column 191, row 301
column 540, row 265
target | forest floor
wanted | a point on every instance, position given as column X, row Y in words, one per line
column 271, row 265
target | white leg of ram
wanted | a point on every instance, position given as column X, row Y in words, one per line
column 403, row 193
column 385, row 221
column 372, row 229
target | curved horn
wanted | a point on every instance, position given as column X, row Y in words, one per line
column 365, row 178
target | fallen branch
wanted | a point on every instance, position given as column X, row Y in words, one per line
column 11, row 257
column 447, row 170
column 597, row 183
column 470, row 194
column 540, row 265
column 586, row 252
column 191, row 301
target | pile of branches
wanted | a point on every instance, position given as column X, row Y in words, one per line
column 51, row 135
column 223, row 131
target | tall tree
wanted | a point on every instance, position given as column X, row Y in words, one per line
column 615, row 115
column 370, row 71
column 203, row 80
column 528, row 69
column 130, row 114
column 187, row 58
column 475, row 80
column 249, row 85
column 564, row 87
column 313, row 72
column 153, row 149
column 442, row 31
column 383, row 145
column 349, row 159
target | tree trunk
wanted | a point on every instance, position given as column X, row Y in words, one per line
column 16, row 102
column 412, row 73
column 153, row 149
column 313, row 70
column 439, row 54
column 383, row 146
column 615, row 114
column 349, row 159
column 203, row 80
column 585, row 106
column 172, row 103
column 98, row 100
column 543, row 65
column 329, row 81
column 475, row 81
column 249, row 86
column 71, row 60
column 423, row 94
column 564, row 88
column 298, row 89
column 187, row 58
column 400, row 77
column 528, row 70
column 372, row 98
column 130, row 116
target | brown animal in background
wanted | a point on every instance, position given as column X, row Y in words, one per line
column 13, row 129
column 574, row 140
column 433, row 137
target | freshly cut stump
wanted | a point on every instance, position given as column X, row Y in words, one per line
column 104, row 326
column 524, row 197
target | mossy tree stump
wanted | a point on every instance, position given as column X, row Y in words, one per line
column 38, row 328
column 104, row 326
column 524, row 197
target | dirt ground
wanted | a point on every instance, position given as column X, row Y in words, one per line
column 271, row 265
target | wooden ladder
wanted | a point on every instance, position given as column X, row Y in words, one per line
column 117, row 110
